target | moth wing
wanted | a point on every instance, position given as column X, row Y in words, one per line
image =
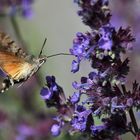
column 12, row 65
column 8, row 45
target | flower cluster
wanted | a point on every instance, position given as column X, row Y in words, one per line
column 54, row 96
column 95, row 13
column 12, row 7
column 104, row 87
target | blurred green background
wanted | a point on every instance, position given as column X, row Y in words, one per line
column 58, row 21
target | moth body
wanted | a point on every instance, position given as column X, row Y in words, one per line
column 15, row 63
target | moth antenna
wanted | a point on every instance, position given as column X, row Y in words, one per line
column 58, row 54
column 42, row 47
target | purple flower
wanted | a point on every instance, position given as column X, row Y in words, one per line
column 80, row 119
column 22, row 7
column 75, row 66
column 52, row 93
column 103, row 91
column 25, row 131
column 79, row 123
column 51, row 83
column 46, row 94
column 79, row 86
column 94, row 13
column 55, row 130
column 129, row 102
column 26, row 9
column 82, row 86
column 75, row 98
column 76, row 85
column 115, row 105
column 93, row 75
column 105, row 42
column 81, row 45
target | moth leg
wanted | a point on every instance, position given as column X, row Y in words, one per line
column 12, row 82
column 6, row 84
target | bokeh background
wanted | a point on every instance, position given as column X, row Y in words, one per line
column 23, row 114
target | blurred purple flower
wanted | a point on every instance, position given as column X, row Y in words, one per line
column 46, row 94
column 25, row 131
column 27, row 9
column 22, row 7
column 55, row 130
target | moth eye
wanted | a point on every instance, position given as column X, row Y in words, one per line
column 41, row 61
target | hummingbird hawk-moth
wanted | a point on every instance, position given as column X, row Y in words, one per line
column 16, row 65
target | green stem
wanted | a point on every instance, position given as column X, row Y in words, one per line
column 16, row 29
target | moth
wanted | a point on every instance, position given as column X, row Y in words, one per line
column 15, row 64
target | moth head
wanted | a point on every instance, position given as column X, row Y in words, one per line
column 41, row 60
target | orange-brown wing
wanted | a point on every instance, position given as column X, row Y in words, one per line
column 8, row 45
column 11, row 64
